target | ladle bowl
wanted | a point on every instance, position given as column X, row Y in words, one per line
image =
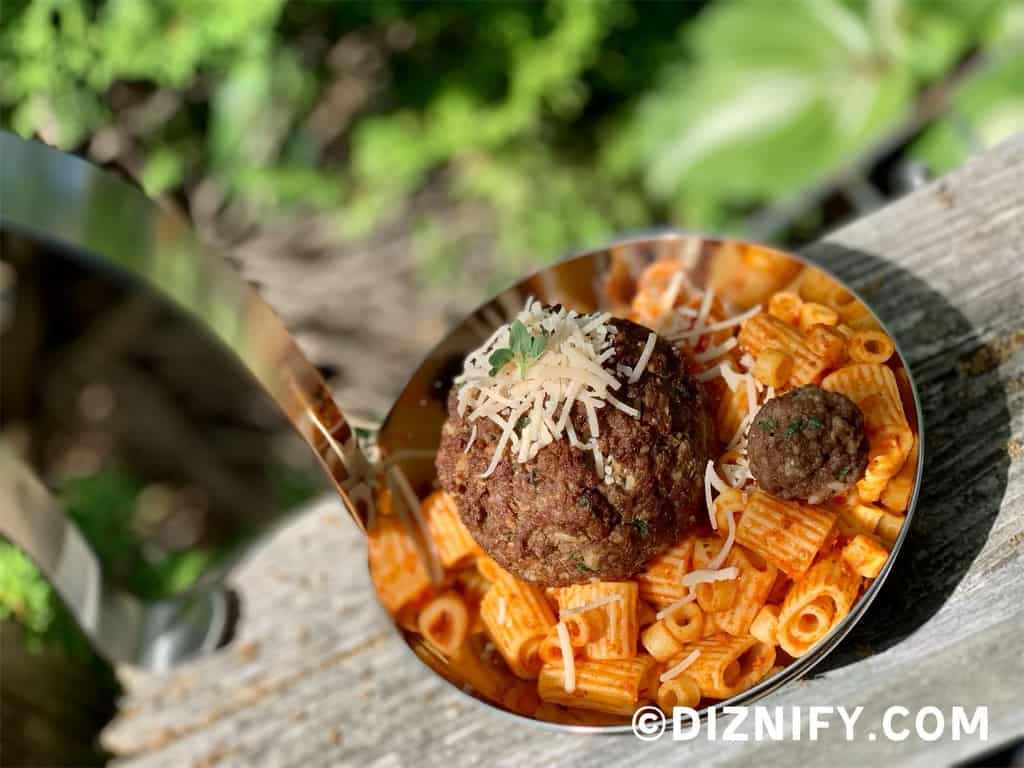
column 45, row 196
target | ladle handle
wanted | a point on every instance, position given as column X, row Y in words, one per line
column 55, row 197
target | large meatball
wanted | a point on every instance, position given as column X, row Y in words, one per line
column 552, row 519
column 808, row 444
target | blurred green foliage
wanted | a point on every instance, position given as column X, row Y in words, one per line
column 564, row 120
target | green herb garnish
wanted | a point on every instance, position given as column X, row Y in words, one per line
column 843, row 473
column 583, row 502
column 815, row 422
column 523, row 423
column 642, row 526
column 581, row 566
column 796, row 426
column 767, row 424
column 523, row 348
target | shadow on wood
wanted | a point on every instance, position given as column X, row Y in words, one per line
column 966, row 431
column 52, row 707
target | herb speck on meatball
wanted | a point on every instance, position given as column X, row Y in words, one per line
column 808, row 444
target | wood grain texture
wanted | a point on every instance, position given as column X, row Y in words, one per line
column 316, row 677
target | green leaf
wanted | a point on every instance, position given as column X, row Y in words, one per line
column 499, row 359
column 519, row 338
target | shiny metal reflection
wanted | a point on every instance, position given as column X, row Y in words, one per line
column 588, row 282
column 43, row 195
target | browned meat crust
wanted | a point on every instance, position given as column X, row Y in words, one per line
column 552, row 520
column 808, row 444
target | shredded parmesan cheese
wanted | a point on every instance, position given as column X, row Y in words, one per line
column 599, row 603
column 697, row 332
column 678, row 669
column 668, row 298
column 568, row 662
column 715, row 351
column 712, row 480
column 668, row 610
column 645, row 357
column 576, row 364
column 717, row 560
column 472, row 439
column 706, row 576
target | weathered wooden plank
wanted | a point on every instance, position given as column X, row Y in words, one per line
column 316, row 677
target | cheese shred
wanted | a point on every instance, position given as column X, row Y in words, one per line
column 532, row 399
column 568, row 661
column 678, row 669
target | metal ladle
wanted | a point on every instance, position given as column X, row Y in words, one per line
column 43, row 194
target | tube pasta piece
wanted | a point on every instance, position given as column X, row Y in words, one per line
column 745, row 275
column 645, row 614
column 470, row 666
column 680, row 691
column 827, row 342
column 889, row 526
column 660, row 581
column 613, row 686
column 755, row 582
column 785, row 305
column 658, row 641
column 787, row 534
column 494, row 573
column 716, row 595
column 773, row 367
column 517, row 619
column 619, row 638
column 865, row 555
column 732, row 408
column 871, row 347
column 454, row 543
column 728, row 665
column 766, row 331
column 444, row 622
column 813, row 313
column 710, row 627
column 396, row 567
column 873, row 388
column 816, row 604
column 472, row 586
column 896, row 495
column 766, row 624
column 730, row 500
column 550, row 650
column 815, row 285
column 686, row 624
column 856, row 516
column 586, row 627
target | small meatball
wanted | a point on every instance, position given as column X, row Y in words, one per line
column 808, row 444
column 552, row 520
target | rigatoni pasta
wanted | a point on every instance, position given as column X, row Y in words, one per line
column 757, row 581
column 816, row 604
column 787, row 534
column 617, row 687
column 726, row 665
column 617, row 601
column 764, row 331
column 453, row 542
column 517, row 617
